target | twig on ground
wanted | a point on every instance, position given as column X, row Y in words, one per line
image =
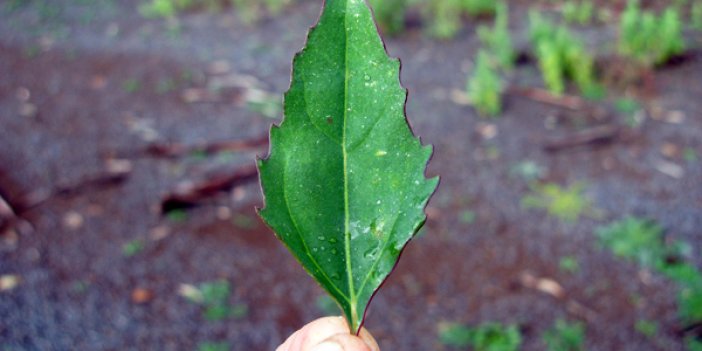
column 544, row 96
column 172, row 150
column 190, row 194
column 596, row 135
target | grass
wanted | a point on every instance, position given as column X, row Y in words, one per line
column 214, row 346
column 642, row 241
column 485, row 86
column 131, row 85
column 214, row 298
column 578, row 12
column 562, row 55
column 133, row 248
column 485, row 337
column 635, row 239
column 565, row 336
column 569, row 264
column 498, row 40
column 647, row 38
column 528, row 170
column 646, row 328
column 248, row 10
column 567, row 204
column 390, row 15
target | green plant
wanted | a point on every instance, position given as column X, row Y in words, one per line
column 133, row 248
column 647, row 38
column 479, row 7
column 249, row 10
column 485, row 337
column 485, row 87
column 565, row 336
column 390, row 14
column 455, row 335
column 580, row 12
column 344, row 182
column 696, row 15
column 647, row 328
column 214, row 298
column 636, row 239
column 131, row 85
column 565, row 203
column 642, row 241
column 214, row 346
column 444, row 17
column 527, row 170
column 561, row 55
column 569, row 264
column 498, row 39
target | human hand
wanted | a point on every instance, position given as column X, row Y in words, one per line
column 329, row 334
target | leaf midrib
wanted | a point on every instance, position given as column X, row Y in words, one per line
column 347, row 217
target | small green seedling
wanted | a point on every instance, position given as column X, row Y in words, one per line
column 498, row 40
column 696, row 15
column 562, row 55
column 642, row 241
column 133, row 248
column 649, row 39
column 565, row 336
column 485, row 337
column 445, row 16
column 528, row 171
column 214, row 346
column 567, row 204
column 214, row 298
column 569, row 264
column 485, row 86
column 131, row 85
column 647, row 328
column 579, row 12
column 455, row 335
column 344, row 182
column 390, row 15
column 636, row 239
column 479, row 7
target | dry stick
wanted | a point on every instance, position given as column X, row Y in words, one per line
column 596, row 135
column 191, row 195
column 544, row 96
column 116, row 172
column 172, row 150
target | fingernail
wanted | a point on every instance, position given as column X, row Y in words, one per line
column 328, row 346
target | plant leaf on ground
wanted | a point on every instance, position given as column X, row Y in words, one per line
column 565, row 336
column 485, row 87
column 642, row 241
column 566, row 204
column 561, row 55
column 344, row 182
column 648, row 38
column 485, row 337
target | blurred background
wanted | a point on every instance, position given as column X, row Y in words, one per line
column 568, row 135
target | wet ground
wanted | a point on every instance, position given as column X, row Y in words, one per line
column 85, row 89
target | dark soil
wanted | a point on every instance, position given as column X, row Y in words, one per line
column 84, row 85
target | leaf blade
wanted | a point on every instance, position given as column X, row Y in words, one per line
column 344, row 166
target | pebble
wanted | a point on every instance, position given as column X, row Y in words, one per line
column 73, row 220
column 9, row 282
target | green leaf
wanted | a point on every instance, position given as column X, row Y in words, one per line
column 344, row 183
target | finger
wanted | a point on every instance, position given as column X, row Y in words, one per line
column 341, row 342
column 369, row 340
column 316, row 332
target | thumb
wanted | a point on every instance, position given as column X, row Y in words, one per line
column 343, row 342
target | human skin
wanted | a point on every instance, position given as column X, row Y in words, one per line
column 329, row 334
